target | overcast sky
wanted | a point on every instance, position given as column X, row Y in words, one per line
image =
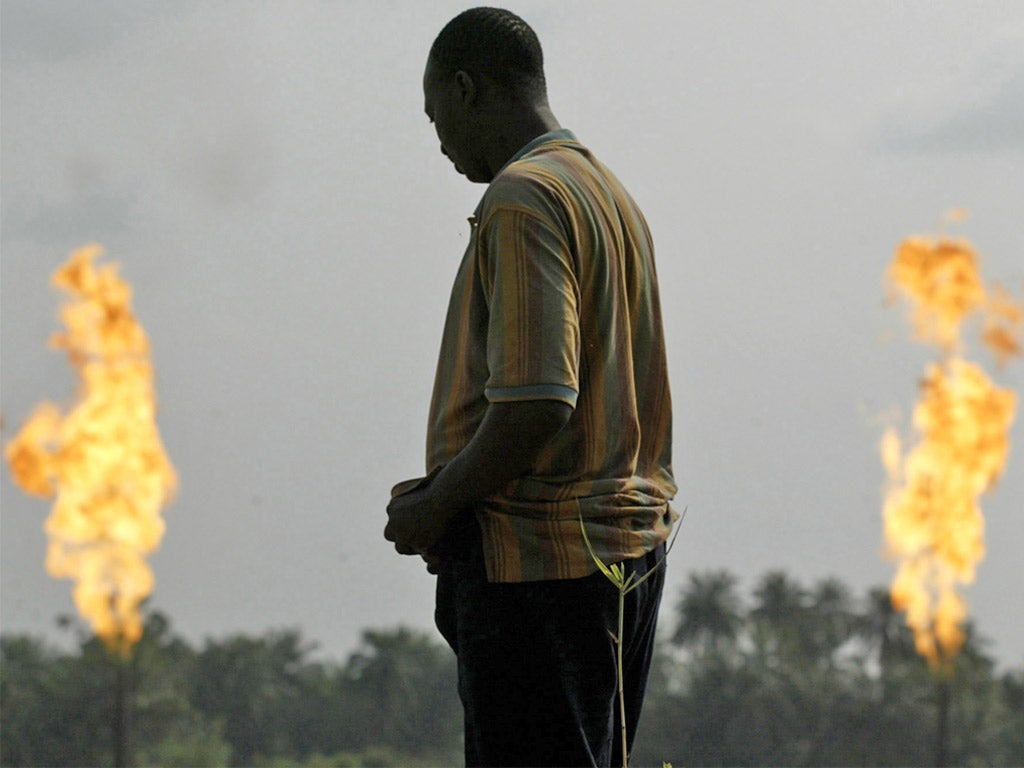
column 266, row 177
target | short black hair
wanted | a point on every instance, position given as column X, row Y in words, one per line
column 495, row 43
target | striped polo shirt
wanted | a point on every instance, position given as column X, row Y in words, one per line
column 557, row 298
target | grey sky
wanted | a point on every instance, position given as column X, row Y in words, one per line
column 266, row 177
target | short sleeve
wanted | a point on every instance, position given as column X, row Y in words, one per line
column 533, row 334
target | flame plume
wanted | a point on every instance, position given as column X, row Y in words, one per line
column 103, row 460
column 933, row 521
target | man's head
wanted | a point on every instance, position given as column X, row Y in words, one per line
column 495, row 44
column 485, row 73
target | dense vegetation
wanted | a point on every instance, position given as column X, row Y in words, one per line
column 793, row 675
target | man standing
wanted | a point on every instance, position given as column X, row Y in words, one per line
column 551, row 405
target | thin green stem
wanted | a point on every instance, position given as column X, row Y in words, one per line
column 616, row 574
column 622, row 694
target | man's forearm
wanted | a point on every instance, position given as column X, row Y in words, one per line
column 506, row 446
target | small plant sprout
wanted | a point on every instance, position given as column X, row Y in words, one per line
column 616, row 574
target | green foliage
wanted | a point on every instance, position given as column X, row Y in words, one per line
column 52, row 707
column 237, row 701
column 255, row 686
column 395, row 696
column 371, row 757
column 187, row 748
column 403, row 686
column 793, row 675
column 58, row 709
column 812, row 676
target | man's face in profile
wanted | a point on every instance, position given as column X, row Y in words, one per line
column 449, row 107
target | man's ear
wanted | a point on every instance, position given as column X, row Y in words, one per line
column 467, row 87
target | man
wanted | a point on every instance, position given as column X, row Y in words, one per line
column 551, row 406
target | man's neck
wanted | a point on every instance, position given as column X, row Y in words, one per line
column 512, row 134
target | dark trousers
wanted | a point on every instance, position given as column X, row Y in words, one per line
column 536, row 660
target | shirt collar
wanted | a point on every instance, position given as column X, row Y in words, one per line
column 559, row 134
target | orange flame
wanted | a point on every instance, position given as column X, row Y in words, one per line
column 933, row 522
column 104, row 460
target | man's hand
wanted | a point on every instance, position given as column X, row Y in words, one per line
column 415, row 522
column 504, row 447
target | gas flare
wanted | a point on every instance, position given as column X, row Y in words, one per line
column 933, row 521
column 103, row 461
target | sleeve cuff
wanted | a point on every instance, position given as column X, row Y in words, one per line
column 532, row 392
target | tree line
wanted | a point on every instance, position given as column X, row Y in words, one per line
column 788, row 675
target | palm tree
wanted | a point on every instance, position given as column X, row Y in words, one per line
column 882, row 629
column 710, row 613
column 780, row 618
column 832, row 618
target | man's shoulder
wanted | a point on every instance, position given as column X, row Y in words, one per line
column 521, row 185
column 540, row 180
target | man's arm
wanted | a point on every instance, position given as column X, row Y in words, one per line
column 506, row 445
